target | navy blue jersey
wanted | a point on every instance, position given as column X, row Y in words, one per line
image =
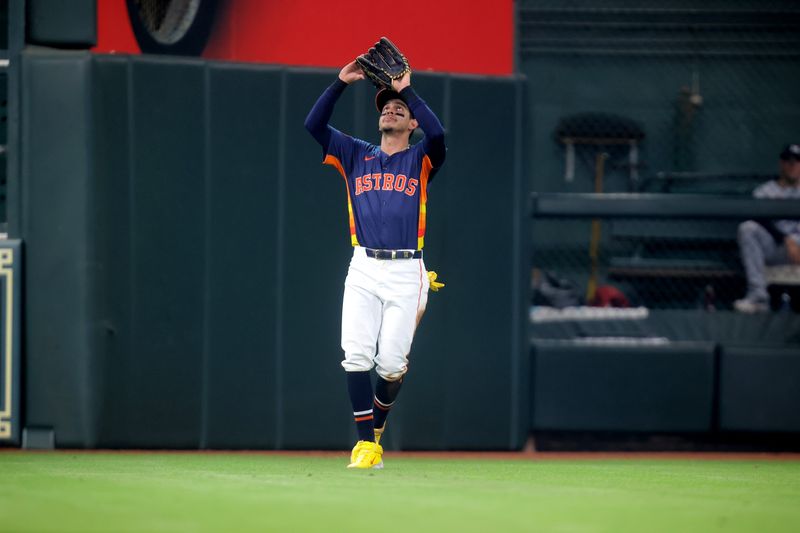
column 386, row 194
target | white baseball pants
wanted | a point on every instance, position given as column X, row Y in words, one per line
column 383, row 302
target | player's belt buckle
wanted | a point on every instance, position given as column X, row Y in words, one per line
column 389, row 255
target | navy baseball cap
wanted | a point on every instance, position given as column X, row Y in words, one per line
column 791, row 151
column 384, row 95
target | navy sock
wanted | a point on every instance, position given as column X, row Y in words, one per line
column 385, row 395
column 359, row 385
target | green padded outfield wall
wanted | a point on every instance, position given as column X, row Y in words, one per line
column 61, row 375
column 71, row 24
column 188, row 252
column 584, row 385
column 760, row 388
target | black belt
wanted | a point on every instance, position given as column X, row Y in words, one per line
column 393, row 254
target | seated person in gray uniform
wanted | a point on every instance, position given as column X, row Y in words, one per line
column 770, row 242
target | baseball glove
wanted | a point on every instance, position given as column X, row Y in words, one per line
column 383, row 63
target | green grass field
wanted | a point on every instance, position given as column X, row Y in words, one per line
column 172, row 492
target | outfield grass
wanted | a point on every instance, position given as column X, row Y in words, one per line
column 88, row 492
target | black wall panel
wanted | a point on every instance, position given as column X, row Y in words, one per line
column 114, row 285
column 61, row 362
column 759, row 389
column 168, row 249
column 61, row 24
column 594, row 387
column 241, row 232
column 482, row 269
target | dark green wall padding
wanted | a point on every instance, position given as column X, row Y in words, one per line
column 760, row 389
column 57, row 23
column 626, row 386
column 187, row 253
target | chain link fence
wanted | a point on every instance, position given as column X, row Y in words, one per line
column 652, row 251
column 677, row 94
column 655, row 96
column 658, row 264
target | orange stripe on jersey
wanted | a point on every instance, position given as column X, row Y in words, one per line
column 427, row 166
column 334, row 162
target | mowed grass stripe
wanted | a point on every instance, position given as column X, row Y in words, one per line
column 86, row 492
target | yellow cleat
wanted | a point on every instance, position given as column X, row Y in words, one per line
column 379, row 434
column 367, row 455
column 357, row 450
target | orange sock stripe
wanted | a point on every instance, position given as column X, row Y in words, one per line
column 380, row 406
column 362, row 418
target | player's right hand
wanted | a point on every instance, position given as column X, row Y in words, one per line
column 351, row 72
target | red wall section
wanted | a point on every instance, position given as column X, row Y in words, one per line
column 442, row 35
column 114, row 33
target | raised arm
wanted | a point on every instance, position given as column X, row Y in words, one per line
column 433, row 143
column 317, row 120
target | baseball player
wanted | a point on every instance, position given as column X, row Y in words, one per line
column 770, row 242
column 386, row 289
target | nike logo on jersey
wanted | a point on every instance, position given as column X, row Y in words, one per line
column 369, row 157
column 386, row 182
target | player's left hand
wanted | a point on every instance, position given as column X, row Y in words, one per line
column 401, row 83
column 435, row 285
